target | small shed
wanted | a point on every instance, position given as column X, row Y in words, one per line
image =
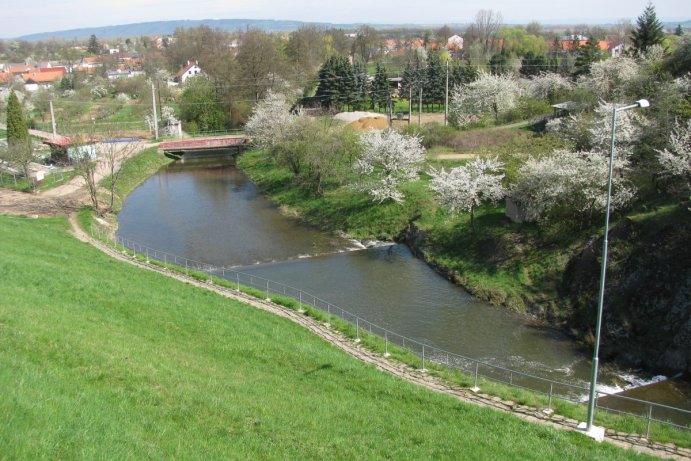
column 565, row 108
column 64, row 150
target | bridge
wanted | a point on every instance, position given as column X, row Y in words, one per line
column 177, row 149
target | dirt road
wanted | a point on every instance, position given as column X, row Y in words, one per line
column 67, row 197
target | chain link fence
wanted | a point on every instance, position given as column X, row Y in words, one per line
column 649, row 412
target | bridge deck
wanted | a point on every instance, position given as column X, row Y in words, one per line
column 204, row 143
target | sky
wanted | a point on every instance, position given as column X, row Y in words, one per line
column 20, row 18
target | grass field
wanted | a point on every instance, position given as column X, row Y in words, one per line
column 100, row 360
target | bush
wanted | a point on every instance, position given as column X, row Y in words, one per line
column 525, row 109
column 432, row 134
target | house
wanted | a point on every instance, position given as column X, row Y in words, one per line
column 616, row 49
column 192, row 69
column 43, row 78
column 454, row 43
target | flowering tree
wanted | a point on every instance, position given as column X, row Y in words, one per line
column 389, row 158
column 609, row 77
column 465, row 187
column 271, row 121
column 547, row 85
column 489, row 94
column 574, row 182
column 676, row 161
column 628, row 128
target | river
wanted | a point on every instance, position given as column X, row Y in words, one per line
column 208, row 210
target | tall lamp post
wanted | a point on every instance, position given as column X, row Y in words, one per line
column 594, row 431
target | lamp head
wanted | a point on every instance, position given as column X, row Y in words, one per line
column 643, row 103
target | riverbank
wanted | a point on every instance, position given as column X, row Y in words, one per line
column 152, row 361
column 525, row 267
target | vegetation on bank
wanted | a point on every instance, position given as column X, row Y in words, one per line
column 101, row 357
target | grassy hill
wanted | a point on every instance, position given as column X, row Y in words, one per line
column 100, row 360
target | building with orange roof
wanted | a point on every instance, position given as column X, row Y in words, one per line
column 41, row 78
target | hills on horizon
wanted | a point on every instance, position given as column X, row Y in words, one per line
column 267, row 25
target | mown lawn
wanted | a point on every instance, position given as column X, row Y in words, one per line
column 100, row 360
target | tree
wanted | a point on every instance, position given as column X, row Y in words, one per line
column 533, row 64
column 337, row 83
column 435, row 86
column 94, row 47
column 259, row 61
column 367, row 43
column 17, row 129
column 648, row 31
column 569, row 184
column 271, row 121
column 489, row 94
column 200, row 107
column 113, row 155
column 678, row 31
column 466, row 187
column 381, row 92
column 676, row 159
column 549, row 86
column 611, row 78
column 499, row 63
column 586, row 55
column 389, row 158
column 485, row 29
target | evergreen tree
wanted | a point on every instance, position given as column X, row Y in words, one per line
column 533, row 64
column 94, row 47
column 587, row 55
column 678, row 31
column 499, row 63
column 462, row 74
column 648, row 31
column 436, row 79
column 413, row 78
column 380, row 88
column 362, row 85
column 17, row 129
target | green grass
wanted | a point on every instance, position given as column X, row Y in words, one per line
column 101, row 360
column 26, row 184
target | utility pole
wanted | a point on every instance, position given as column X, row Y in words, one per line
column 410, row 103
column 153, row 100
column 419, row 109
column 52, row 119
column 446, row 99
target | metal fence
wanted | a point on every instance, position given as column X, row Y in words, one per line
column 648, row 412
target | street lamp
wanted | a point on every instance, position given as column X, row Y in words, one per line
column 594, row 431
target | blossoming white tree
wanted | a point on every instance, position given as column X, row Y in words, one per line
column 271, row 121
column 676, row 161
column 489, row 94
column 465, row 187
column 610, row 76
column 547, row 85
column 388, row 159
column 575, row 182
column 628, row 130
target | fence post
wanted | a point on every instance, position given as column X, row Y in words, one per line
column 147, row 255
column 650, row 418
column 386, row 344
column 549, row 401
column 165, row 260
column 423, row 357
column 267, row 291
column 187, row 271
column 475, row 388
column 211, row 277
column 237, row 275
column 300, row 301
column 357, row 329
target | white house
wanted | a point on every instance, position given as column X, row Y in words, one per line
column 192, row 69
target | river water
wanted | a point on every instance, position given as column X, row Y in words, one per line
column 207, row 210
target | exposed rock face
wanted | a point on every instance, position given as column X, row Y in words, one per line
column 646, row 317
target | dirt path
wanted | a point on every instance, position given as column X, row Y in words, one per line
column 63, row 199
column 398, row 369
